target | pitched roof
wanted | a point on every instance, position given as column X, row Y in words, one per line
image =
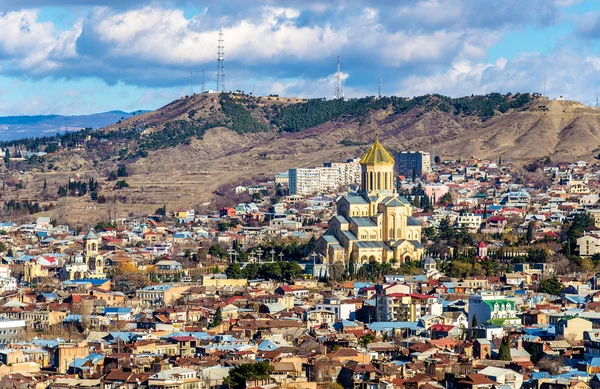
column 377, row 154
column 90, row 235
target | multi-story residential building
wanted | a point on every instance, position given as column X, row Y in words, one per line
column 409, row 161
column 588, row 244
column 341, row 310
column 282, row 179
column 491, row 306
column 469, row 221
column 327, row 178
column 304, row 181
column 11, row 330
column 348, row 173
column 404, row 306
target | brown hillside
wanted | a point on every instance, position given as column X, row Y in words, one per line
column 189, row 175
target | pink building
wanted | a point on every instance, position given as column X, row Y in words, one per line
column 436, row 190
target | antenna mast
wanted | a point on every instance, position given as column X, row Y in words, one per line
column 544, row 80
column 203, row 83
column 379, row 93
column 338, row 88
column 220, row 63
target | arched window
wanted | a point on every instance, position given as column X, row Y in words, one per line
column 371, row 186
column 416, row 235
column 409, row 235
column 93, row 247
column 391, row 233
column 378, row 180
column 385, row 181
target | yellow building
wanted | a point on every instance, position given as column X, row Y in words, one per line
column 377, row 225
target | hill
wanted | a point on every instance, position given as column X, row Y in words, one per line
column 19, row 127
column 183, row 153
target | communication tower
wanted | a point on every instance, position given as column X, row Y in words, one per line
column 220, row 63
column 379, row 92
column 191, row 81
column 203, row 83
column 338, row 87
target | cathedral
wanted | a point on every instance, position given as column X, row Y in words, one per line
column 377, row 225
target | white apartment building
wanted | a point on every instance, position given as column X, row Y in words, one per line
column 588, row 244
column 307, row 181
column 469, row 221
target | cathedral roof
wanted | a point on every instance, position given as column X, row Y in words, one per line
column 393, row 202
column 413, row 222
column 355, row 199
column 377, row 154
column 363, row 222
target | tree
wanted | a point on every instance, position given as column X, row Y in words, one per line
column 233, row 271
column 366, row 339
column 474, row 322
column 218, row 251
column 240, row 374
column 446, row 199
column 552, row 365
column 217, row 318
column 575, row 230
column 162, row 211
column 529, row 236
column 504, row 352
column 551, row 286
column 7, row 158
column 436, row 159
column 121, row 184
column 122, row 171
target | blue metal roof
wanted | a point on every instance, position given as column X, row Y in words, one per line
column 392, row 325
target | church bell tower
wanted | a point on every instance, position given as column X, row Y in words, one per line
column 377, row 172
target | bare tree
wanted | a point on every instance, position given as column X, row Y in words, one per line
column 61, row 210
column 553, row 365
column 561, row 264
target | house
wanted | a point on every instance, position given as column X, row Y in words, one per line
column 118, row 313
column 175, row 378
column 572, row 328
column 503, row 376
column 168, row 264
column 476, row 381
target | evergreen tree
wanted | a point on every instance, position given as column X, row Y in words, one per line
column 474, row 322
column 45, row 184
column 504, row 352
column 233, row 271
column 217, row 318
column 529, row 235
column 7, row 158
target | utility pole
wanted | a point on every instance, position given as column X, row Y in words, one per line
column 203, row 83
column 379, row 93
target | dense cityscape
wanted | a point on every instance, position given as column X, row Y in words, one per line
column 383, row 271
column 268, row 194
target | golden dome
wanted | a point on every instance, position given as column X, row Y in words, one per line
column 377, row 154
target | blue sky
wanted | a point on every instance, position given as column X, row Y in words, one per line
column 84, row 56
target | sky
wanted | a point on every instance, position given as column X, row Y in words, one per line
column 84, row 56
